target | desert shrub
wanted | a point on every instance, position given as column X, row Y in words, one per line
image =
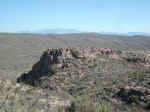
column 138, row 75
column 148, row 106
column 104, row 107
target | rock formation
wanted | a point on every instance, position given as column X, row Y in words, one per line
column 58, row 59
column 74, row 61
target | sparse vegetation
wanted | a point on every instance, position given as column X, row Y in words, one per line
column 91, row 82
column 139, row 76
column 105, row 107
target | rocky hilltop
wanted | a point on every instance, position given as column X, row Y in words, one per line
column 99, row 74
column 55, row 60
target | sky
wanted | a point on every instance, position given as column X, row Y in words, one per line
column 85, row 15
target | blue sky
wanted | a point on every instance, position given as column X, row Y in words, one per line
column 87, row 15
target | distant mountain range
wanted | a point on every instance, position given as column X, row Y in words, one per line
column 127, row 34
column 138, row 33
column 52, row 31
column 68, row 31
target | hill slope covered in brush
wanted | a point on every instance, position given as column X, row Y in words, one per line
column 78, row 71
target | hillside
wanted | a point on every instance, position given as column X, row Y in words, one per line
column 77, row 70
column 20, row 51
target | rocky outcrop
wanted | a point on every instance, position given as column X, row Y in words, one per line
column 136, row 57
column 75, row 61
column 54, row 59
column 50, row 61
